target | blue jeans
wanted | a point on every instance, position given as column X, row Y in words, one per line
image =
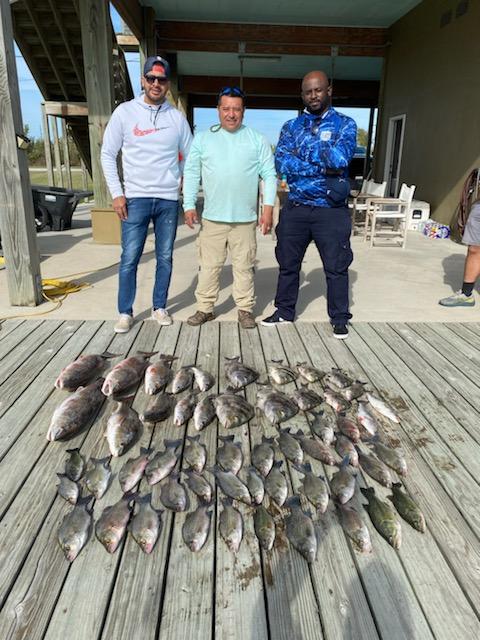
column 330, row 230
column 164, row 214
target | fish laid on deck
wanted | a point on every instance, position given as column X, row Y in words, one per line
column 75, row 464
column 158, row 374
column 407, row 508
column 162, row 464
column 76, row 411
column 238, row 374
column 229, row 455
column 276, row 484
column 195, row 453
column 383, row 517
column 146, row 524
column 123, row 429
column 132, row 471
column 75, row 529
column 126, row 375
column 314, row 488
column 300, row 530
column 173, row 494
column 112, row 524
column 98, row 476
column 231, row 525
column 82, row 371
column 196, row 527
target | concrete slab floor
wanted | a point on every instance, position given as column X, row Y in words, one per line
column 387, row 284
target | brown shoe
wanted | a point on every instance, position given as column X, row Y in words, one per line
column 246, row 319
column 200, row 317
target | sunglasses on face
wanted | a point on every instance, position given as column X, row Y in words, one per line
column 152, row 79
column 231, row 91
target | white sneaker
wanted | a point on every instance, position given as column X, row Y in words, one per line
column 162, row 317
column 124, row 323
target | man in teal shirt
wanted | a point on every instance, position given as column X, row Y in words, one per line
column 229, row 158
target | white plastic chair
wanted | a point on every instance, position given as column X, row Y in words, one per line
column 387, row 217
column 369, row 188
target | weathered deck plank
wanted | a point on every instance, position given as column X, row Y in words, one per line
column 422, row 560
column 392, row 600
column 139, row 587
column 7, row 326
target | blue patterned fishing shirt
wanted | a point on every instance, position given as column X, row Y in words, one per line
column 313, row 153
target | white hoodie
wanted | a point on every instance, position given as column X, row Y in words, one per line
column 151, row 139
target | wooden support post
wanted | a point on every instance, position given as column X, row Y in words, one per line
column 148, row 45
column 84, row 175
column 366, row 165
column 17, row 221
column 56, row 153
column 97, row 58
column 172, row 95
column 66, row 156
column 48, row 148
column 182, row 104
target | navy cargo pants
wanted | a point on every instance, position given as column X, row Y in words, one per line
column 330, row 230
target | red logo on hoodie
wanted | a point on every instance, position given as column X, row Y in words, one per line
column 142, row 132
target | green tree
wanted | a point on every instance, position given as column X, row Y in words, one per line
column 362, row 137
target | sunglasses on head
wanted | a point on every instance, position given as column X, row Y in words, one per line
column 153, row 79
column 231, row 91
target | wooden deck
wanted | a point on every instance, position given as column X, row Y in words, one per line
column 430, row 588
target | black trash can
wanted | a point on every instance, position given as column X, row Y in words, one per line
column 54, row 206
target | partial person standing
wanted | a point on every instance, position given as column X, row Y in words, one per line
column 153, row 137
column 313, row 152
column 230, row 158
column 471, row 237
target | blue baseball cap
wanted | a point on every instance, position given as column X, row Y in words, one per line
column 157, row 60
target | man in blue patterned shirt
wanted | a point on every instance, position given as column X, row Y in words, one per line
column 313, row 153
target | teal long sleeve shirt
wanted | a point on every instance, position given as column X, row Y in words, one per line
column 229, row 166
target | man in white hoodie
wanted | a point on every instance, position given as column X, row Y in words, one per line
column 154, row 139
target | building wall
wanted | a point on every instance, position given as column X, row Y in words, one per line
column 432, row 75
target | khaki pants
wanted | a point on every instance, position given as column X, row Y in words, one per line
column 213, row 241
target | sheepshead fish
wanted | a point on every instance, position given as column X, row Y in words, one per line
column 195, row 453
column 336, row 401
column 196, row 527
column 276, row 405
column 123, row 429
column 184, row 409
column 356, row 390
column 173, row 494
column 161, row 465
column 126, row 375
column 82, row 371
column 68, row 489
column 263, row 456
column 383, row 517
column 199, row 485
column 345, row 447
column 255, row 485
column 354, row 527
column 264, row 525
column 97, row 476
column 276, row 484
column 132, row 471
column 348, row 427
column 75, row 529
column 182, row 380
column 300, row 530
column 382, row 407
column 324, row 423
column 238, row 374
column 229, row 455
column 280, row 373
column 336, row 379
column 392, row 458
column 76, row 411
column 306, row 398
column 204, row 413
column 158, row 408
column 232, row 410
column 407, row 508
column 290, row 447
column 112, row 524
column 203, row 379
column 309, row 373
column 75, row 464
column 231, row 525
column 315, row 448
column 158, row 374
column 375, row 468
column 231, row 485
column 366, row 419
column 314, row 487
column 342, row 483
column 146, row 524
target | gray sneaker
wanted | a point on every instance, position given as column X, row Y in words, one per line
column 162, row 317
column 458, row 299
column 123, row 324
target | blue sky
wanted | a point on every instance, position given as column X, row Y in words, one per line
column 268, row 122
